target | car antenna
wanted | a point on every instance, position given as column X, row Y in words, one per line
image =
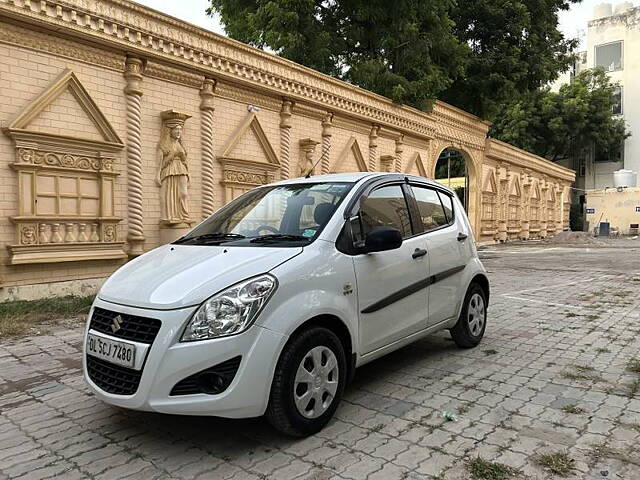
column 308, row 175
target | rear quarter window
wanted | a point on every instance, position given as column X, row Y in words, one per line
column 430, row 207
column 447, row 204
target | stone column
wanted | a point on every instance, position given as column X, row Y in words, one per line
column 327, row 131
column 206, row 138
column 503, row 198
column 285, row 139
column 133, row 93
column 373, row 148
column 399, row 150
column 559, row 207
column 525, row 212
column 544, row 207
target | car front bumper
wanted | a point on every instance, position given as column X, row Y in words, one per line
column 169, row 361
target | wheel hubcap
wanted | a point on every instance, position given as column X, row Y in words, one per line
column 475, row 314
column 316, row 382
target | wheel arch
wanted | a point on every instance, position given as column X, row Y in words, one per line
column 339, row 328
column 482, row 280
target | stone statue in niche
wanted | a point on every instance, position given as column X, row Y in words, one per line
column 173, row 170
column 307, row 163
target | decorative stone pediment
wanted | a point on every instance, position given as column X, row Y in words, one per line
column 417, row 166
column 351, row 154
column 66, row 180
column 490, row 185
column 514, row 188
column 250, row 131
column 67, row 91
column 241, row 174
column 535, row 191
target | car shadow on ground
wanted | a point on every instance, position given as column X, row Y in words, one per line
column 235, row 438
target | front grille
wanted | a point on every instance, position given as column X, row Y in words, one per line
column 132, row 327
column 199, row 382
column 113, row 378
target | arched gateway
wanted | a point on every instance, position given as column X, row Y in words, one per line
column 98, row 80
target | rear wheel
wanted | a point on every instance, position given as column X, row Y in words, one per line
column 308, row 383
column 472, row 323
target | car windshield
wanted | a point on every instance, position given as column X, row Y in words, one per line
column 282, row 215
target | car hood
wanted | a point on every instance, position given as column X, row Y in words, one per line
column 178, row 276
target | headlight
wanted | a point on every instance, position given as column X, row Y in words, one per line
column 231, row 311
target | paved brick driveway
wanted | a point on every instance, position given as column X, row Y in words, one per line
column 564, row 325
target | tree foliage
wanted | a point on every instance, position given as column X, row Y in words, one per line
column 475, row 54
column 516, row 47
column 406, row 50
column 566, row 124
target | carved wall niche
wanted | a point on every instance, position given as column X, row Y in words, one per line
column 65, row 184
column 417, row 166
column 239, row 175
column 489, row 202
column 534, row 210
column 552, row 209
column 514, row 206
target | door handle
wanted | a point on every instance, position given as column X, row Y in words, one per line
column 418, row 252
column 462, row 236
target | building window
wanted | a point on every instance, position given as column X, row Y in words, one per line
column 616, row 107
column 614, row 155
column 609, row 56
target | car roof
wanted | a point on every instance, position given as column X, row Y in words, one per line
column 355, row 177
column 331, row 177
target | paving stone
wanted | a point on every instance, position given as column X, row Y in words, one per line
column 390, row 424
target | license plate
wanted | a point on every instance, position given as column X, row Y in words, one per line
column 120, row 353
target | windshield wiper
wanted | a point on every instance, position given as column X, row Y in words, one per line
column 214, row 237
column 278, row 237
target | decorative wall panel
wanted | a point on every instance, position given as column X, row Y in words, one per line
column 66, row 184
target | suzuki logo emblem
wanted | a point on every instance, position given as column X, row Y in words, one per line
column 116, row 323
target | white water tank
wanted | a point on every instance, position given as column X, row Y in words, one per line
column 623, row 7
column 625, row 178
column 602, row 10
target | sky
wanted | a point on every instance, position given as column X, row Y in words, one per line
column 572, row 22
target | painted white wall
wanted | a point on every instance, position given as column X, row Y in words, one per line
column 622, row 25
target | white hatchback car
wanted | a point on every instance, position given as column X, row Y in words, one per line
column 269, row 305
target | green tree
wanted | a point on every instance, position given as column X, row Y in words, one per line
column 406, row 51
column 474, row 54
column 516, row 48
column 566, row 124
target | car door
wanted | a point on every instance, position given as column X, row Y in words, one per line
column 391, row 284
column 447, row 258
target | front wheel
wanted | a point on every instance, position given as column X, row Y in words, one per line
column 308, row 383
column 472, row 323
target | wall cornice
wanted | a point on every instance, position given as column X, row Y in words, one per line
column 171, row 74
column 501, row 151
column 136, row 29
column 44, row 42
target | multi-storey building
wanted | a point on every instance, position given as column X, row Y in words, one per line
column 613, row 43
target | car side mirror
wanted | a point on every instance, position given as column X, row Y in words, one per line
column 380, row 239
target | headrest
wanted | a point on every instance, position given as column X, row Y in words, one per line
column 323, row 212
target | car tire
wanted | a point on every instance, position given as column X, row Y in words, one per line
column 307, row 386
column 472, row 322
